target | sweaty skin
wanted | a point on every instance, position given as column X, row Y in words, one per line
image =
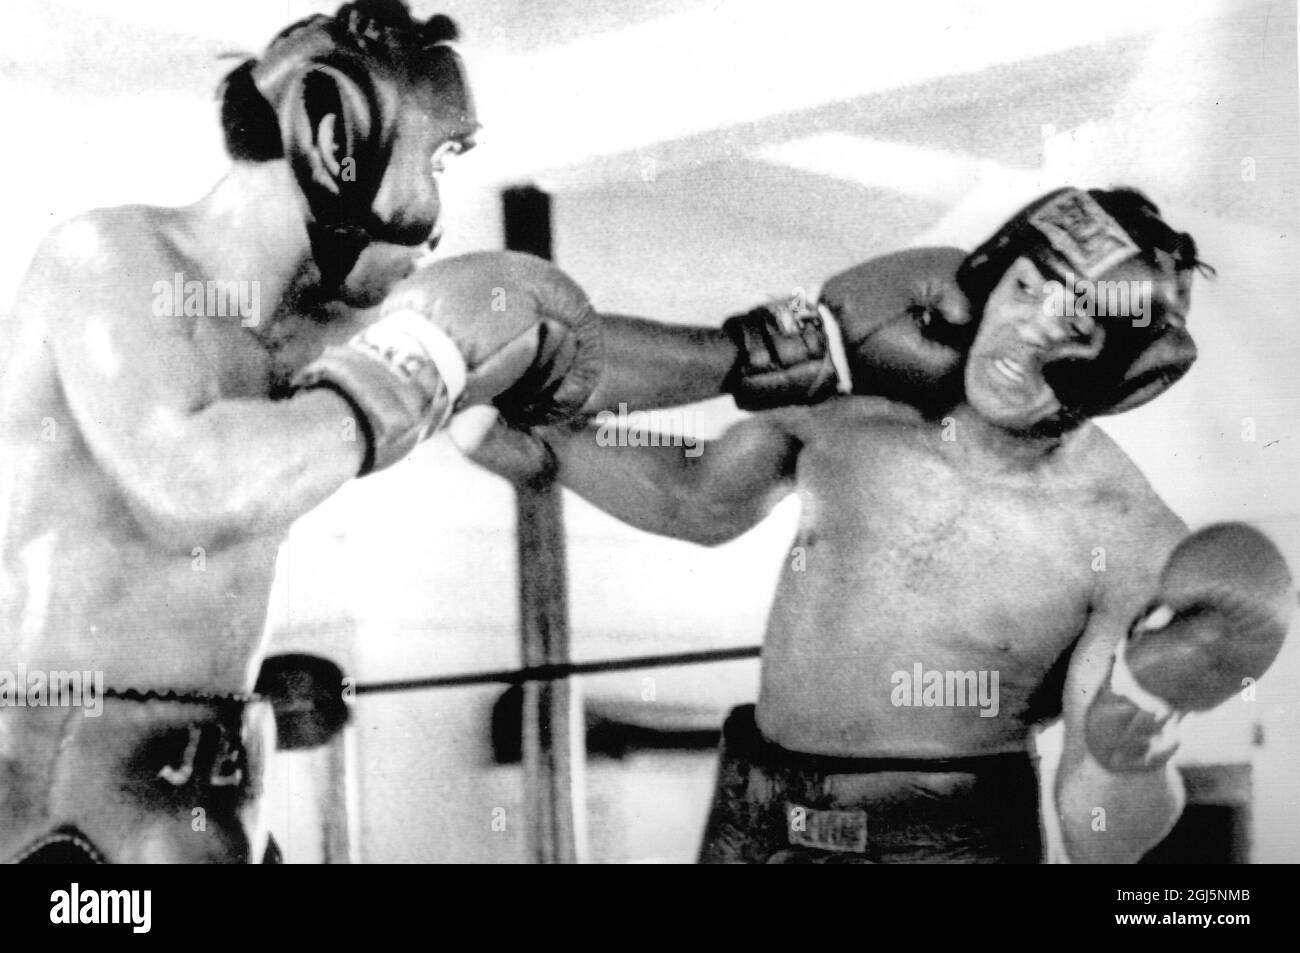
column 152, row 464
column 957, row 543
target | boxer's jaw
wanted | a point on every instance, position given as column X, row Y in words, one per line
column 1004, row 381
column 380, row 266
column 1017, row 336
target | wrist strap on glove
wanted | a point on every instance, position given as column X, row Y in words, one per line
column 790, row 353
column 402, row 376
column 1135, row 742
column 1125, row 684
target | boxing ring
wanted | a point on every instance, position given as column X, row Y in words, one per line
column 552, row 749
column 960, row 180
column 551, row 723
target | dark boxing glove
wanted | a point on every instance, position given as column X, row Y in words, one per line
column 785, row 356
column 896, row 326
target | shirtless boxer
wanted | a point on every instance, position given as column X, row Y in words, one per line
column 967, row 540
column 153, row 462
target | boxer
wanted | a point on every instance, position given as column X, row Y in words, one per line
column 154, row 460
column 967, row 573
column 158, row 448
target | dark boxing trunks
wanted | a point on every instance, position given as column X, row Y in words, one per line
column 149, row 780
column 776, row 806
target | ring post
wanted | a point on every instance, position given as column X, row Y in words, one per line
column 552, row 750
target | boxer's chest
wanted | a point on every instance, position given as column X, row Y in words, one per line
column 980, row 563
column 262, row 361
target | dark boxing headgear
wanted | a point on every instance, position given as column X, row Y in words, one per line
column 365, row 67
column 1075, row 237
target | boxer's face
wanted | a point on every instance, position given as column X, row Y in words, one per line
column 1020, row 332
column 407, row 207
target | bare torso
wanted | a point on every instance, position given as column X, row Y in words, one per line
column 917, row 555
column 82, row 584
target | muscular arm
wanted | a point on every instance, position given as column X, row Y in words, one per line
column 1116, row 817
column 708, row 493
column 194, row 468
column 660, row 365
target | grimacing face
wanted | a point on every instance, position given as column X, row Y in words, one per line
column 1028, row 324
column 1019, row 333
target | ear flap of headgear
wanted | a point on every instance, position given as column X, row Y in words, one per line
column 332, row 125
column 1139, row 360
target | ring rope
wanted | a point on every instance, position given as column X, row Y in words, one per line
column 558, row 670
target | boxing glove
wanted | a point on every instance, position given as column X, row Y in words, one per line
column 461, row 331
column 784, row 356
column 905, row 324
column 896, row 326
column 1219, row 616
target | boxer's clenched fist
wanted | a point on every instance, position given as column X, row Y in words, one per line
column 1220, row 616
column 489, row 326
column 785, row 356
column 905, row 323
column 896, row 326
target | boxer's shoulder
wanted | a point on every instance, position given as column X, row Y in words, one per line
column 1117, row 507
column 1114, row 482
column 843, row 420
column 103, row 261
column 106, row 239
column 880, row 413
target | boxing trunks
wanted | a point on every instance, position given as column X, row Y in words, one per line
column 152, row 779
column 776, row 806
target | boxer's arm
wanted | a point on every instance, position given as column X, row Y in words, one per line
column 1116, row 817
column 196, row 470
column 652, row 364
column 704, row 493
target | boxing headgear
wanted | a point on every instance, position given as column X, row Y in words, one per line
column 1074, row 236
column 366, row 67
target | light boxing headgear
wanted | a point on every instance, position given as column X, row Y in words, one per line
column 1078, row 238
column 386, row 89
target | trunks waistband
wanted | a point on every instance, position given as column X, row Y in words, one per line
column 742, row 735
column 776, row 805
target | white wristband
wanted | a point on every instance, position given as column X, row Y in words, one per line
column 835, row 344
column 411, row 334
column 1124, row 684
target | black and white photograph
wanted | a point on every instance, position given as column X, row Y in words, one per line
column 652, row 432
